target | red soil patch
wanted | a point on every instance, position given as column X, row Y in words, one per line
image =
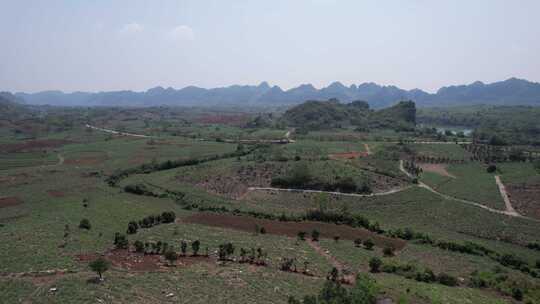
column 291, row 229
column 87, row 160
column 436, row 168
column 33, row 145
column 133, row 261
column 9, row 201
column 348, row 155
column 239, row 119
column 56, row 193
column 15, row 179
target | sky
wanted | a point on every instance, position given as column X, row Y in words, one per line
column 102, row 45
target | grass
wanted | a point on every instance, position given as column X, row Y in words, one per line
column 451, row 151
column 10, row 161
column 472, row 183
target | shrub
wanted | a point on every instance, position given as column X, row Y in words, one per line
column 132, row 227
column 368, row 244
column 183, row 247
column 517, row 293
column 263, row 230
column 120, row 241
column 375, row 264
column 85, row 224
column 491, row 168
column 427, row 276
column 388, row 251
column 447, row 279
column 358, row 242
column 301, row 235
column 139, row 246
column 171, row 256
column 168, row 217
column 315, row 235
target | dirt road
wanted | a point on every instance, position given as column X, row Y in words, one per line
column 368, row 150
column 348, row 277
column 504, row 194
column 117, row 132
column 328, row 192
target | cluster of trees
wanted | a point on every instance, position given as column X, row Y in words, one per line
column 508, row 260
column 253, row 256
column 435, row 160
column 489, row 153
column 364, row 291
column 150, row 221
column 141, row 189
column 301, row 178
column 412, row 168
column 410, row 271
column 341, row 218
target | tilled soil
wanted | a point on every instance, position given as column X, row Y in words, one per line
column 525, row 198
column 291, row 229
column 10, row 201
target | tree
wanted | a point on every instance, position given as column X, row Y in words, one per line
column 195, row 247
column 357, row 242
column 301, row 235
column 447, row 279
column 315, row 235
column 85, row 224
column 336, row 238
column 171, row 256
column 491, row 168
column 99, row 266
column 375, row 264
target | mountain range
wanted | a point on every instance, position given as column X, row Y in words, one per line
column 512, row 91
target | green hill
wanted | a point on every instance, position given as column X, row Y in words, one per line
column 320, row 115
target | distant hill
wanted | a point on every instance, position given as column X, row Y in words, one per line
column 11, row 107
column 319, row 115
column 509, row 92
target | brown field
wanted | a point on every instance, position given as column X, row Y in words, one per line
column 525, row 198
column 33, row 145
column 55, row 193
column 236, row 184
column 347, row 155
column 436, row 168
column 10, row 201
column 291, row 229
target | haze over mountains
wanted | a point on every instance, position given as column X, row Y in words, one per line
column 512, row 91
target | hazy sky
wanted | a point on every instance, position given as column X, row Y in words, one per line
column 111, row 45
